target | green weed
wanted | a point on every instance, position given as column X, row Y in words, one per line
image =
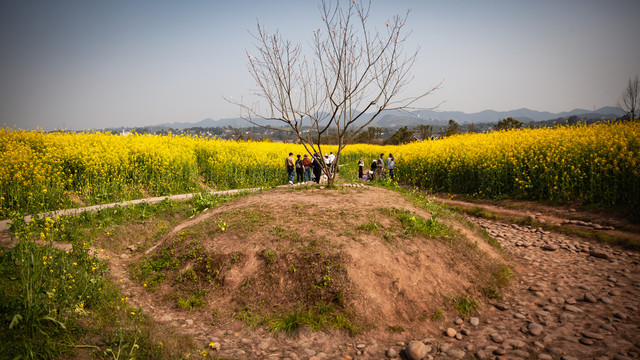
column 464, row 305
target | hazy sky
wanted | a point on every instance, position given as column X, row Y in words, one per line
column 95, row 64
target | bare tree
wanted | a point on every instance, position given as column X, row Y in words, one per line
column 354, row 74
column 630, row 97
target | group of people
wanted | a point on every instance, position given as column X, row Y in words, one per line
column 302, row 168
column 379, row 169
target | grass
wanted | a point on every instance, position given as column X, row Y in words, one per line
column 318, row 318
column 370, row 227
column 55, row 299
column 465, row 305
column 437, row 315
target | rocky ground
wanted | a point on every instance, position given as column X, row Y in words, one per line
column 570, row 299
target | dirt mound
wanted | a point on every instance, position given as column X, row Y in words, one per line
column 356, row 258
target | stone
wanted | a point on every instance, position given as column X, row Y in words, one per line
column 535, row 329
column 496, row 338
column 520, row 353
column 474, row 321
column 416, row 350
column 451, row 332
column 590, row 298
column 620, row 315
column 598, row 254
column 455, row 353
column 606, row 300
column 572, row 308
column 542, row 313
column 549, row 247
column 458, row 321
column 586, row 341
column 514, row 344
column 543, row 356
column 391, row 353
column 609, row 327
column 592, row 335
column 557, row 300
column 556, row 350
column 501, row 306
column 361, row 346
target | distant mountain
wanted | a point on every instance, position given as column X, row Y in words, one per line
column 395, row 118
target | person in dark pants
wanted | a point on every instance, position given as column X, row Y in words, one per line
column 299, row 170
column 317, row 167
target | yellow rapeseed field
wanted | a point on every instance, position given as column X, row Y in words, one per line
column 47, row 171
column 596, row 163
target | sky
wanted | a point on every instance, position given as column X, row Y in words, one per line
column 100, row 64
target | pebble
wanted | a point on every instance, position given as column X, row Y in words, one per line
column 572, row 308
column 592, row 335
column 586, row 341
column 614, row 292
column 608, row 327
column 391, row 353
column 535, row 329
column 590, row 298
column 416, row 350
column 474, row 321
column 451, row 332
column 619, row 315
column 496, row 338
column 455, row 353
column 599, row 254
column 520, row 353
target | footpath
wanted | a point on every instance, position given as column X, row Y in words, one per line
column 4, row 224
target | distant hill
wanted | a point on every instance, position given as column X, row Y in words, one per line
column 395, row 119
